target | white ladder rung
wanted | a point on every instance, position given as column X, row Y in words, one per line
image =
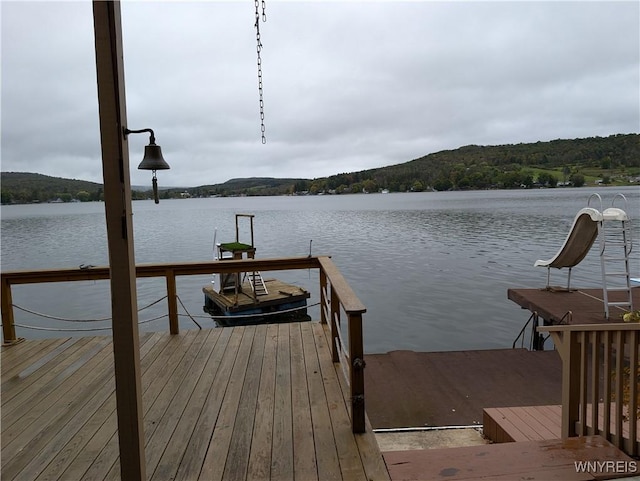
column 619, row 304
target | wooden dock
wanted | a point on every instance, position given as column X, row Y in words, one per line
column 586, row 305
column 452, row 388
column 253, row 402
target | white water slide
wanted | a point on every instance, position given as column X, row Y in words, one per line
column 581, row 237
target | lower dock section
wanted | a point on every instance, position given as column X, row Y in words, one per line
column 427, row 389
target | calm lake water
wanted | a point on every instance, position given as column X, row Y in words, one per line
column 432, row 269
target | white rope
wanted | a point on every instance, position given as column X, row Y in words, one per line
column 56, row 318
column 274, row 313
column 185, row 310
column 62, row 329
column 38, row 328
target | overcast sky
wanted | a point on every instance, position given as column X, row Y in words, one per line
column 347, row 85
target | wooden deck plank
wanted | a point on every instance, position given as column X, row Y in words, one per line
column 14, row 371
column 41, row 423
column 367, row 443
column 15, row 360
column 536, row 429
column 534, row 422
column 80, row 445
column 532, row 460
column 102, row 448
column 282, row 447
column 304, row 452
column 259, row 467
column 237, row 460
column 452, row 388
column 53, row 374
column 213, row 465
column 326, row 454
column 210, row 399
column 167, row 383
column 14, row 355
column 347, row 449
column 58, row 423
column 191, row 465
column 171, row 402
column 106, row 464
column 203, row 375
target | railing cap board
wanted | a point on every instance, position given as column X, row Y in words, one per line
column 613, row 326
column 160, row 270
column 347, row 297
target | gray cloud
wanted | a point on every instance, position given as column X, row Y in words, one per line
column 347, row 85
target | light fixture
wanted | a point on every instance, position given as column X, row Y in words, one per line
column 152, row 159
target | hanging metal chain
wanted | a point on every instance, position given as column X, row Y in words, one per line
column 258, row 50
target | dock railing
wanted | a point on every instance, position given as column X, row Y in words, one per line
column 600, row 374
column 335, row 292
column 336, row 297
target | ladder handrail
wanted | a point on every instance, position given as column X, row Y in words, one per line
column 622, row 196
column 597, row 196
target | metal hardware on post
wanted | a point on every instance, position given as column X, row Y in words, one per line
column 359, row 363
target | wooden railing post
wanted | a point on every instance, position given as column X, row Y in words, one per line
column 172, row 302
column 8, row 326
column 633, row 341
column 335, row 324
column 356, row 370
column 569, row 350
column 323, row 296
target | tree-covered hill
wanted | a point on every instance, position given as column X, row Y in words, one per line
column 22, row 187
column 249, row 186
column 611, row 160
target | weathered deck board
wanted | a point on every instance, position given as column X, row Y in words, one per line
column 253, row 402
column 304, row 460
column 452, row 388
column 532, row 460
column 534, row 423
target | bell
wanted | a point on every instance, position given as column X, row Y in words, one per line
column 153, row 159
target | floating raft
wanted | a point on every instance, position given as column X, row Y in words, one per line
column 282, row 303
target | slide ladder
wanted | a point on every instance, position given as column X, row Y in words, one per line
column 615, row 249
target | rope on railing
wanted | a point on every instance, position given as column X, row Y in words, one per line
column 56, row 318
column 185, row 310
column 192, row 317
column 274, row 313
column 88, row 329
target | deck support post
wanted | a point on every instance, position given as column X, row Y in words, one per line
column 569, row 350
column 118, row 212
column 172, row 302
